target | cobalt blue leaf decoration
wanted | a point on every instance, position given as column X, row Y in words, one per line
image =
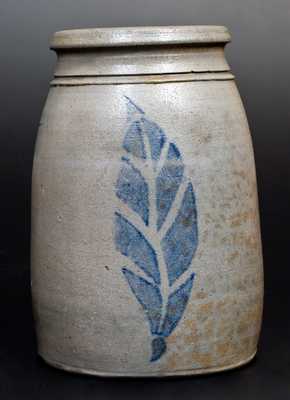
column 155, row 225
column 148, row 296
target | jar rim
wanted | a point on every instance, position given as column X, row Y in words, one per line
column 140, row 36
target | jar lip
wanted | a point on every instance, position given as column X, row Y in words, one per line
column 140, row 36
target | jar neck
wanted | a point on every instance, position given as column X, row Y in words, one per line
column 141, row 60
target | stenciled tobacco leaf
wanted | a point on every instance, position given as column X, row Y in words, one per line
column 150, row 178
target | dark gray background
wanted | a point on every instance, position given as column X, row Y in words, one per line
column 260, row 59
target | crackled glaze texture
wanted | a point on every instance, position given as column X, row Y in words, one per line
column 146, row 253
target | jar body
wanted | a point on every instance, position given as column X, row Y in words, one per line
column 146, row 253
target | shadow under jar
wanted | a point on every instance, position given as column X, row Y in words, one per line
column 146, row 252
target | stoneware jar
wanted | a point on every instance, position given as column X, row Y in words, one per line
column 146, row 253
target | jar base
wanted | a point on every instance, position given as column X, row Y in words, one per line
column 188, row 372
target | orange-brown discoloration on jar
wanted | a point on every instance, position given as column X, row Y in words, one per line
column 223, row 349
column 233, row 256
column 205, row 309
column 239, row 219
column 202, row 359
column 201, row 295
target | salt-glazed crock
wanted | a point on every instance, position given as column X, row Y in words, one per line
column 146, row 253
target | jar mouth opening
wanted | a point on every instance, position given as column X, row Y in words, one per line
column 140, row 36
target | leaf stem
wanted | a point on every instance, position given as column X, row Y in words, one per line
column 164, row 280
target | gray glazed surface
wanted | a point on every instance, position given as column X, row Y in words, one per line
column 87, row 317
